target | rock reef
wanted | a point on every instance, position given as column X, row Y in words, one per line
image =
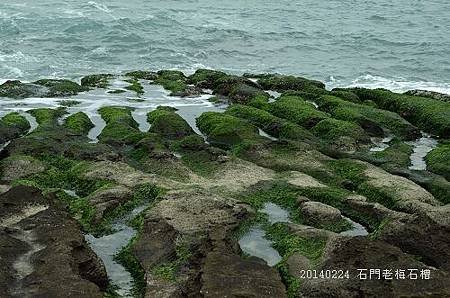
column 193, row 161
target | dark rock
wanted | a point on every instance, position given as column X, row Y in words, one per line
column 225, row 274
column 363, row 253
column 17, row 89
column 60, row 259
column 426, row 235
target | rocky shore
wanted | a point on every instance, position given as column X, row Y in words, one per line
column 187, row 166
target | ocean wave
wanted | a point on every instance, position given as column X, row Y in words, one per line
column 393, row 84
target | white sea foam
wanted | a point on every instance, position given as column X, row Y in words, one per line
column 393, row 84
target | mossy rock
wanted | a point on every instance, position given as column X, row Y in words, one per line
column 118, row 114
column 165, row 122
column 120, row 127
column 226, row 130
column 206, row 78
column 438, row 160
column 61, row 87
column 12, row 125
column 142, row 75
column 298, row 111
column 283, row 83
column 135, row 86
column 398, row 153
column 47, row 117
column 96, row 80
column 373, row 120
column 346, row 95
column 191, row 142
column 172, row 80
column 428, row 114
column 238, row 89
column 79, row 123
column 17, row 89
column 269, row 123
column 260, row 102
column 332, row 130
column 15, row 120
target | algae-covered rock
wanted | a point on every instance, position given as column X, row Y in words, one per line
column 438, row 160
column 12, row 125
column 371, row 119
column 96, row 80
column 298, row 111
column 225, row 130
column 238, row 89
column 120, row 127
column 79, row 123
column 47, row 117
column 428, row 114
column 58, row 88
column 273, row 125
column 17, row 89
column 206, row 78
column 176, row 82
column 283, row 83
column 165, row 122
column 342, row 134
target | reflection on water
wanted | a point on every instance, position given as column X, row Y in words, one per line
column 421, row 148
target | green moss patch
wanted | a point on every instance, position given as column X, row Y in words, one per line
column 172, row 80
column 298, row 111
column 373, row 120
column 96, row 80
column 398, row 153
column 61, row 87
column 282, row 83
column 165, row 122
column 47, row 117
column 225, row 130
column 273, row 125
column 438, row 160
column 135, row 86
column 168, row 271
column 429, row 114
column 15, row 121
column 142, row 75
column 120, row 127
column 206, row 78
column 79, row 123
column 332, row 130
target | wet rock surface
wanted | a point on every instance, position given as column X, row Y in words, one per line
column 51, row 256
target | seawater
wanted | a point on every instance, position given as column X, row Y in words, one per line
column 398, row 45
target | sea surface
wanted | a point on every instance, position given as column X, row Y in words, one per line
column 399, row 45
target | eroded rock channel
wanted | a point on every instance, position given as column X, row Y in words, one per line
column 159, row 184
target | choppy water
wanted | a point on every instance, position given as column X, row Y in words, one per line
column 393, row 44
